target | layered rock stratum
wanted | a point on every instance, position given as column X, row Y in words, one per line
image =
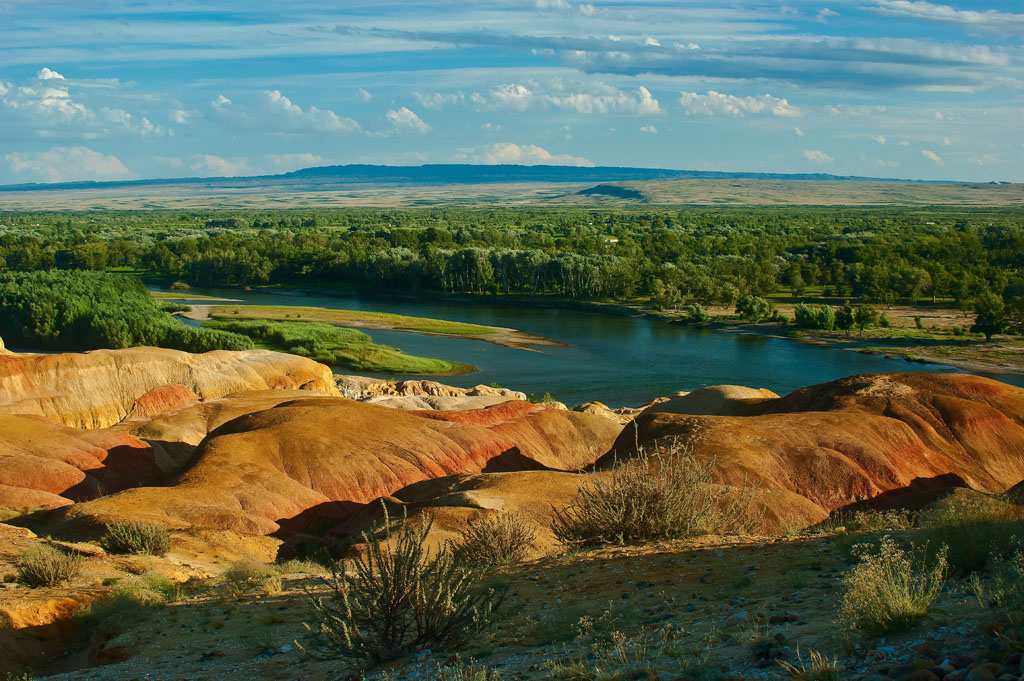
column 100, row 388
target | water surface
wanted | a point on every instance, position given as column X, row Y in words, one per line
column 621, row 361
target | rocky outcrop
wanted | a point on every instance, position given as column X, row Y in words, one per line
column 721, row 400
column 364, row 389
column 47, row 465
column 863, row 437
column 312, row 460
column 100, row 388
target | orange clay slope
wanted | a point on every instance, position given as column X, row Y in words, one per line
column 100, row 388
column 884, row 437
column 318, row 460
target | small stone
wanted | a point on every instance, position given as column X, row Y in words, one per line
column 286, row 648
column 782, row 619
column 960, row 661
column 980, row 673
column 736, row 619
column 924, row 675
column 958, row 675
column 942, row 670
column 903, row 672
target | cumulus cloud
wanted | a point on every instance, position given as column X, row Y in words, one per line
column 46, row 103
column 818, row 156
column 289, row 162
column 878, row 138
column 824, row 15
column 650, row 129
column 719, row 104
column 364, row 94
column 989, row 20
column 583, row 98
column 983, row 159
column 208, row 164
column 64, row 164
column 932, row 156
column 179, row 116
column 799, row 132
column 406, row 119
column 525, row 154
column 290, row 117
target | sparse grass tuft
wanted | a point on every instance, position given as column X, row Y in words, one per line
column 502, row 539
column 1001, row 584
column 817, row 667
column 137, row 538
column 891, row 589
column 396, row 598
column 45, row 565
column 651, row 497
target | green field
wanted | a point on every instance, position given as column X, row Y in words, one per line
column 381, row 320
column 336, row 346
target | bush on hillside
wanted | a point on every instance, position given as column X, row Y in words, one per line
column 138, row 538
column 45, row 565
column 976, row 529
column 666, row 496
column 502, row 539
column 395, row 598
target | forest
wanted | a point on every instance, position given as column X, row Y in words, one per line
column 705, row 256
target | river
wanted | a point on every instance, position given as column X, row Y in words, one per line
column 618, row 360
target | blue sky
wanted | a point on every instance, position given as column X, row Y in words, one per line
column 893, row 88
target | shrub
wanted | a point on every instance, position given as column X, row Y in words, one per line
column 398, row 598
column 696, row 313
column 1001, row 584
column 137, row 538
column 891, row 589
column 816, row 668
column 975, row 528
column 666, row 496
column 499, row 540
column 45, row 565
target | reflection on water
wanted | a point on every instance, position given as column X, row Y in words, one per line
column 616, row 360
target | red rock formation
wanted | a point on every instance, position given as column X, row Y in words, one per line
column 858, row 437
column 100, row 388
column 324, row 457
column 47, row 464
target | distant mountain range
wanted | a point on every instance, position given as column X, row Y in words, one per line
column 368, row 176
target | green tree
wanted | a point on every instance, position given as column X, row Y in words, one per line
column 989, row 315
column 753, row 308
column 864, row 317
column 844, row 318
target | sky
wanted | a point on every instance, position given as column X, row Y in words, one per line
column 110, row 90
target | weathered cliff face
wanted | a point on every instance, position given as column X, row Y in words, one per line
column 322, row 458
column 44, row 464
column 855, row 438
column 100, row 388
column 365, row 389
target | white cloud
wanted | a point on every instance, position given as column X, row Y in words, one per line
column 651, row 42
column 289, row 162
column 991, row 20
column 878, row 138
column 824, row 14
column 649, row 129
column 438, row 101
column 717, row 103
column 141, row 125
column 64, row 164
column 903, row 143
column 526, row 154
column 179, row 116
column 818, row 156
column 208, row 164
column 364, row 94
column 406, row 119
column 799, row 132
column 583, row 98
column 46, row 74
column 984, row 159
column 588, row 9
column 290, row 117
column 946, row 142
column 932, row 156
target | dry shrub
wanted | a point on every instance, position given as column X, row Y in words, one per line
column 976, row 529
column 397, row 598
column 816, row 667
column 138, row 538
column 248, row 575
column 892, row 589
column 45, row 565
column 647, row 498
column 502, row 539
